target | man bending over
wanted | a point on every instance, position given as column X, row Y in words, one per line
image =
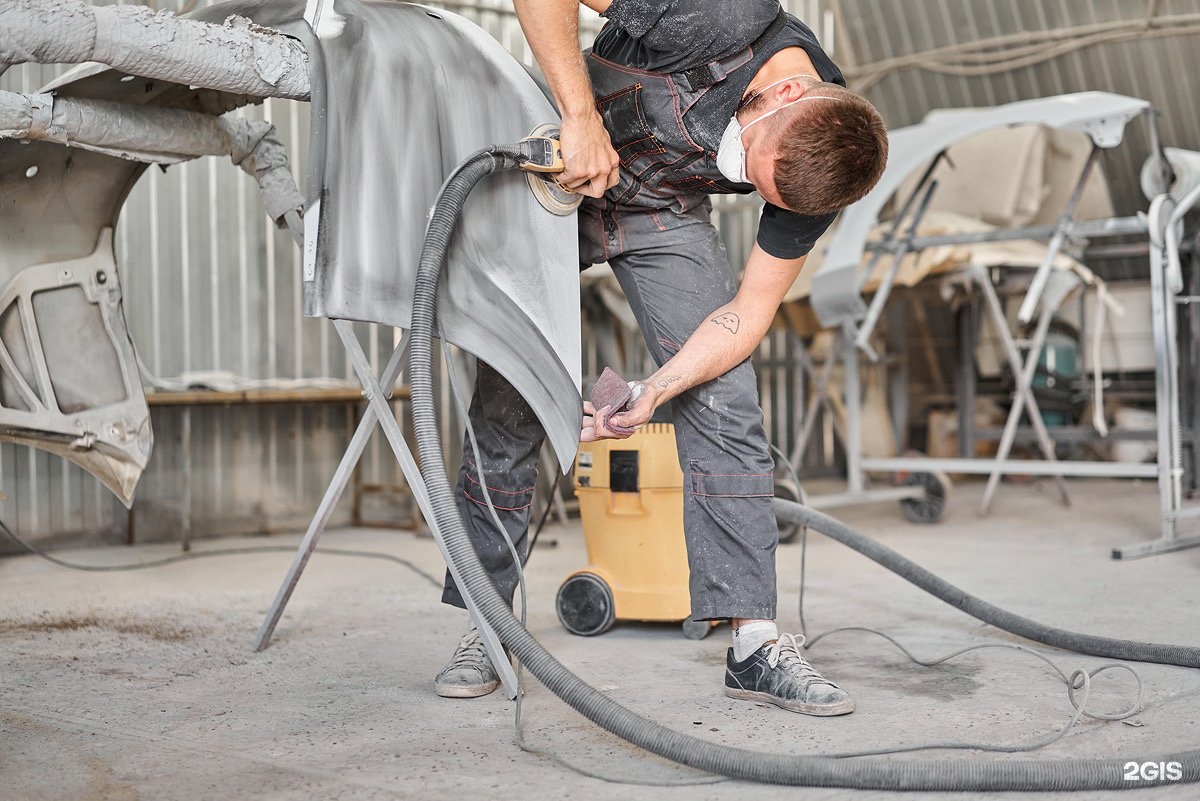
column 678, row 100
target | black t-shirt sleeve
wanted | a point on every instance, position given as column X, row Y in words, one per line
column 787, row 235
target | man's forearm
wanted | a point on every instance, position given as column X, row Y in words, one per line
column 552, row 28
column 721, row 343
column 729, row 334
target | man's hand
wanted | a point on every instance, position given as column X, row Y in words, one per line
column 591, row 163
column 552, row 28
column 641, row 409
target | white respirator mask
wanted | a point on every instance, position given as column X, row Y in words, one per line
column 731, row 154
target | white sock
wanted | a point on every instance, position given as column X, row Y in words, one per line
column 749, row 637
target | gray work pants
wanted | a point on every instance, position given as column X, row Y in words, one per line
column 675, row 273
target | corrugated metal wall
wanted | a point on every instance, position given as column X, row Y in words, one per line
column 211, row 286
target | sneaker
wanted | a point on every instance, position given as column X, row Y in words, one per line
column 470, row 673
column 777, row 674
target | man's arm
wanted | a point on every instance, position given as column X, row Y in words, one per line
column 723, row 341
column 552, row 28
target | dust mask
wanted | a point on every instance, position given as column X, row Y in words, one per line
column 731, row 154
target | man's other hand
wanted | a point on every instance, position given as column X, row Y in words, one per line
column 591, row 163
column 639, row 412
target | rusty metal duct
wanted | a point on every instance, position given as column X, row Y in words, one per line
column 401, row 94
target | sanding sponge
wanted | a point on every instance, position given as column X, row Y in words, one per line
column 612, row 390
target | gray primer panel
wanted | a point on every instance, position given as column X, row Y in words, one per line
column 408, row 93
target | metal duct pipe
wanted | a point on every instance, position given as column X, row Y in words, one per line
column 238, row 57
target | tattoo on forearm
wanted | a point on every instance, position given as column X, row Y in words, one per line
column 669, row 380
column 729, row 321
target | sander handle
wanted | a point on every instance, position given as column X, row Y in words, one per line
column 541, row 154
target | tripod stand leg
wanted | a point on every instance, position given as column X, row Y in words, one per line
column 333, row 493
column 316, row 526
column 416, row 483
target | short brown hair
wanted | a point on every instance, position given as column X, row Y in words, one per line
column 831, row 153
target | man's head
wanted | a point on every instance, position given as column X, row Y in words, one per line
column 813, row 157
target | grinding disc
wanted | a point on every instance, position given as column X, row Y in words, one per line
column 552, row 197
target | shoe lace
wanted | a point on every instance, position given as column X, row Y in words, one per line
column 471, row 652
column 786, row 652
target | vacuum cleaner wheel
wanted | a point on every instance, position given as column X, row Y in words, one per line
column 585, row 605
column 929, row 509
column 696, row 629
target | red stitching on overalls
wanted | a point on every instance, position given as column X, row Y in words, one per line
column 494, row 489
column 679, row 116
column 625, row 69
column 661, row 227
column 668, row 342
column 637, row 107
column 470, row 463
column 614, row 95
column 670, row 85
column 497, row 508
column 681, row 184
column 643, row 139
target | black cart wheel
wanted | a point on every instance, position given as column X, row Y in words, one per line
column 929, row 509
column 788, row 491
column 696, row 629
column 585, row 605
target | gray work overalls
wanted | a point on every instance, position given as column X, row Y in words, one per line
column 653, row 229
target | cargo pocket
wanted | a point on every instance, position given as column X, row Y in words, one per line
column 627, row 126
column 735, row 504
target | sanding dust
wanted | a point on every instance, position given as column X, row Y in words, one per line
column 161, row 630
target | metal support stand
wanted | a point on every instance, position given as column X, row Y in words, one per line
column 819, row 398
column 1166, row 218
column 853, row 394
column 1063, row 231
column 185, row 497
column 899, row 246
column 377, row 411
column 848, row 431
column 1024, row 373
column 967, row 389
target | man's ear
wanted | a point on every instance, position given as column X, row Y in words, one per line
column 792, row 90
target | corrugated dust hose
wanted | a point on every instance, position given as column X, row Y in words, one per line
column 740, row 763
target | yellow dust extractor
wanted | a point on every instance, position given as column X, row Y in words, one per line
column 631, row 503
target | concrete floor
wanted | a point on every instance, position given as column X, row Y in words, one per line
column 143, row 685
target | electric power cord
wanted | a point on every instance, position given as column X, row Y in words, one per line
column 1079, row 680
column 187, row 557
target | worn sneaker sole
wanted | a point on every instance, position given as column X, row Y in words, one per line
column 465, row 690
column 820, row 710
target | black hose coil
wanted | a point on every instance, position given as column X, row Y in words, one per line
column 739, row 763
